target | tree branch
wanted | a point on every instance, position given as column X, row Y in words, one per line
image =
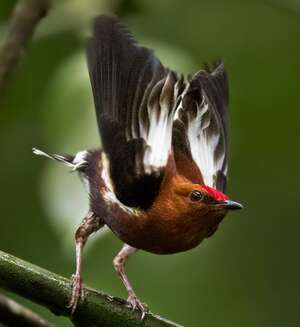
column 25, row 17
column 53, row 291
column 14, row 314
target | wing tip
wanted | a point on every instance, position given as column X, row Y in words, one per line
column 109, row 25
column 216, row 72
column 101, row 20
column 216, row 67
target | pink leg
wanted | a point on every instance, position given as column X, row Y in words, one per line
column 89, row 225
column 119, row 264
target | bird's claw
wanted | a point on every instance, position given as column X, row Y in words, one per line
column 134, row 303
column 77, row 292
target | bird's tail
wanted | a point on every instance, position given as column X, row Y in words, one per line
column 76, row 162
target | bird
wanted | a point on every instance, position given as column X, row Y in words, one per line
column 159, row 177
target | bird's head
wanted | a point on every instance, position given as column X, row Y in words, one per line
column 214, row 200
column 183, row 200
column 203, row 198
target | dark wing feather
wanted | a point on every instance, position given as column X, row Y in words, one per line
column 133, row 95
column 200, row 129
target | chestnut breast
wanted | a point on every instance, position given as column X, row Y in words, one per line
column 171, row 225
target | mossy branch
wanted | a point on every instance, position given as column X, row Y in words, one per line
column 53, row 292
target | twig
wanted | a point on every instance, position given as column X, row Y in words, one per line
column 25, row 17
column 53, row 291
column 15, row 315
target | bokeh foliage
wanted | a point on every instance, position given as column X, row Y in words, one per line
column 247, row 274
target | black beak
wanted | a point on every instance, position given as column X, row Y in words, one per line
column 231, row 205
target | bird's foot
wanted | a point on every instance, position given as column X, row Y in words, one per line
column 77, row 292
column 134, row 303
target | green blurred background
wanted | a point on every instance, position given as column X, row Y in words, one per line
column 247, row 274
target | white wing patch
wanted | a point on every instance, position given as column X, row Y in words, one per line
column 204, row 140
column 159, row 136
column 161, row 108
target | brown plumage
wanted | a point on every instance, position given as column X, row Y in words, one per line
column 158, row 183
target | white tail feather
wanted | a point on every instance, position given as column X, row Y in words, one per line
column 56, row 157
column 76, row 163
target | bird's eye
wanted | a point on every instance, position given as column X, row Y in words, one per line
column 196, row 196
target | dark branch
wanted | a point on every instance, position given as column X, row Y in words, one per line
column 14, row 314
column 25, row 17
column 53, row 291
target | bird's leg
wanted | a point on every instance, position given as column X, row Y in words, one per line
column 89, row 225
column 119, row 264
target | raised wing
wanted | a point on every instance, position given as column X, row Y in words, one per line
column 200, row 128
column 135, row 104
